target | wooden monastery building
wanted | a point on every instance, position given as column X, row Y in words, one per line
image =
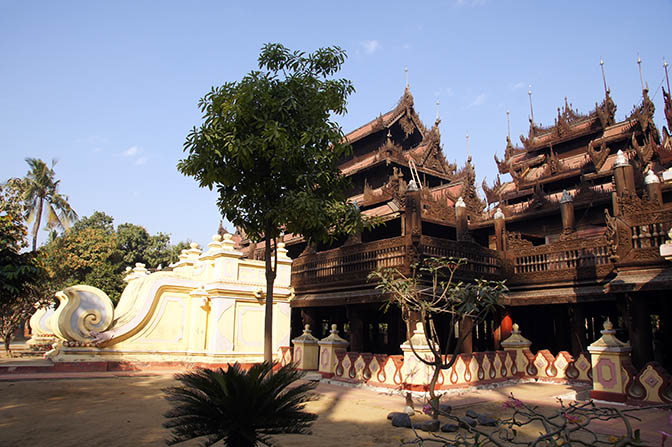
column 576, row 233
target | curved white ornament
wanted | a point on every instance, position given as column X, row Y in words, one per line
column 83, row 313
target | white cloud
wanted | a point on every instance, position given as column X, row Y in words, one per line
column 131, row 151
column 406, row 46
column 478, row 101
column 518, row 85
column 97, row 149
column 141, row 161
column 370, row 46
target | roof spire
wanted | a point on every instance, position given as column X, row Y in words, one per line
column 529, row 92
column 604, row 79
column 641, row 77
column 666, row 77
column 508, row 124
column 437, row 111
column 407, row 84
column 468, row 153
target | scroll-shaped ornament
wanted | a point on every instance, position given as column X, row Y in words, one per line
column 83, row 313
column 598, row 156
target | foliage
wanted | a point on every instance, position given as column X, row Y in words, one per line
column 429, row 291
column 22, row 278
column 40, row 190
column 269, row 146
column 240, row 408
column 93, row 253
column 137, row 245
column 567, row 425
column 87, row 254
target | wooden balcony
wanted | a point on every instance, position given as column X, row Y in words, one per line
column 632, row 239
column 349, row 267
column 561, row 261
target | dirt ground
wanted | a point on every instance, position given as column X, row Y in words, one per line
column 128, row 411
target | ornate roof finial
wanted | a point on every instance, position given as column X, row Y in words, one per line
column 604, row 78
column 508, row 124
column 438, row 120
column 641, row 77
column 407, row 84
column 529, row 92
column 666, row 77
column 468, row 153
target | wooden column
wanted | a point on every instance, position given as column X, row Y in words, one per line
column 461, row 224
column 653, row 188
column 567, row 212
column 577, row 319
column 356, row 328
column 500, row 230
column 466, row 327
column 640, row 330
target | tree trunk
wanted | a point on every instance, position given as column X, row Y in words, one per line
column 38, row 219
column 268, row 317
column 8, row 340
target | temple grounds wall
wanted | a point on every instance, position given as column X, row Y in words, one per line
column 208, row 309
column 612, row 379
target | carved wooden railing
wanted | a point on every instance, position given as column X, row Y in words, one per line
column 566, row 259
column 481, row 262
column 348, row 265
column 648, row 231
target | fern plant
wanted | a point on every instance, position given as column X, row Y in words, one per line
column 238, row 408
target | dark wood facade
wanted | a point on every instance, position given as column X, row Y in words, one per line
column 575, row 233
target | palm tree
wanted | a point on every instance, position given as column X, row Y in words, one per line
column 240, row 408
column 40, row 190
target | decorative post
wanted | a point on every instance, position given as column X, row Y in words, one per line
column 520, row 347
column 567, row 212
column 652, row 183
column 306, row 350
column 416, row 375
column 500, row 230
column 460, row 219
column 609, row 356
column 329, row 346
column 624, row 176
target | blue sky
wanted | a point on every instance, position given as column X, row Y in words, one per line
column 110, row 88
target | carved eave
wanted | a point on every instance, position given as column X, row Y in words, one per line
column 438, row 205
column 403, row 113
column 492, row 194
column 570, row 124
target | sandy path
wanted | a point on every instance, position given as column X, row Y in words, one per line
column 128, row 411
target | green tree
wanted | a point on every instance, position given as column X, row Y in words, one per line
column 87, row 254
column 92, row 252
column 137, row 245
column 240, row 408
column 40, row 191
column 22, row 278
column 269, row 146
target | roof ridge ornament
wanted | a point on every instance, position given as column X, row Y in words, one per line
column 468, row 153
column 438, row 119
column 641, row 76
column 604, row 78
column 508, row 125
column 529, row 92
column 408, row 86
